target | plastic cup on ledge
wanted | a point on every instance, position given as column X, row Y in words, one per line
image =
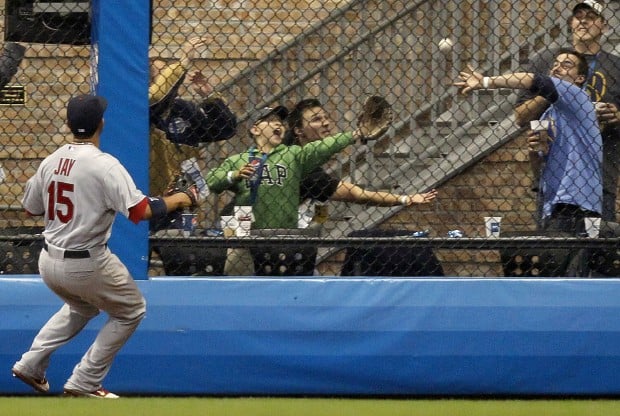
column 492, row 226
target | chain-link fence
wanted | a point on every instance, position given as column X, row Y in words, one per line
column 338, row 207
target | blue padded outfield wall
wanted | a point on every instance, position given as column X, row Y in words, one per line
column 345, row 337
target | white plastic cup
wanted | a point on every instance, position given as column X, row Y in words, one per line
column 229, row 225
column 539, row 125
column 599, row 106
column 244, row 213
column 244, row 217
column 244, row 228
column 593, row 226
column 493, row 226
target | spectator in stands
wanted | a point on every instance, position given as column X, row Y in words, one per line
column 587, row 24
column 189, row 123
column 572, row 163
column 12, row 55
column 178, row 126
column 10, row 58
column 571, row 183
column 268, row 175
column 309, row 122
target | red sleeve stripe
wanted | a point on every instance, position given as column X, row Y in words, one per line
column 136, row 213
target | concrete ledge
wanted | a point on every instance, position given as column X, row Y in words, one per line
column 342, row 336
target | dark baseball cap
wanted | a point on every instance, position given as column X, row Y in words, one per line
column 263, row 113
column 84, row 113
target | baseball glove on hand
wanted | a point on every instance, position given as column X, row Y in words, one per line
column 375, row 119
column 184, row 183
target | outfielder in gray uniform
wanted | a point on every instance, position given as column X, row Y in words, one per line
column 79, row 189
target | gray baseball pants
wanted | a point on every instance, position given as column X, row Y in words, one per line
column 87, row 286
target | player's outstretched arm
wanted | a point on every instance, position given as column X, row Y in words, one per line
column 182, row 192
column 154, row 208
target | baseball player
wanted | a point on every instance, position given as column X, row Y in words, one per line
column 78, row 190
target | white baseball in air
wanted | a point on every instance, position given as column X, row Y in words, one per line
column 445, row 45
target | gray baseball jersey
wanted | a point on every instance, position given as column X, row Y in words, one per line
column 80, row 189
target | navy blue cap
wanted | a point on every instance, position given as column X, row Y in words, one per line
column 84, row 113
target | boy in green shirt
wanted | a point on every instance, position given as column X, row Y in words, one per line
column 268, row 175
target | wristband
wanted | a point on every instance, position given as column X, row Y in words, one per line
column 403, row 199
column 158, row 208
column 485, row 82
column 229, row 176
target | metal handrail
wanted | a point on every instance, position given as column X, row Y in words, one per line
column 281, row 50
column 301, row 80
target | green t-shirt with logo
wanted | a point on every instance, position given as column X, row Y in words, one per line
column 277, row 197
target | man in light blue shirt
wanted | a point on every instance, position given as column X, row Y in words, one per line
column 587, row 26
column 569, row 156
column 572, row 172
column 570, row 164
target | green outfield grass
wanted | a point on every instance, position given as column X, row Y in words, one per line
column 58, row 406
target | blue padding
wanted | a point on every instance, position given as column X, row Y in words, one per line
column 345, row 337
column 120, row 33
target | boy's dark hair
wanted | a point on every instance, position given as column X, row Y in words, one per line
column 295, row 118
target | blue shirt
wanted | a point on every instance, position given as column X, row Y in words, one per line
column 572, row 174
